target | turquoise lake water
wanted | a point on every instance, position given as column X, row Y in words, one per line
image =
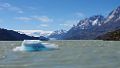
column 71, row 54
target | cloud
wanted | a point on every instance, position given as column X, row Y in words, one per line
column 76, row 18
column 66, row 25
column 69, row 23
column 8, row 6
column 31, row 8
column 44, row 25
column 80, row 14
column 20, row 11
column 5, row 5
column 25, row 19
column 44, row 19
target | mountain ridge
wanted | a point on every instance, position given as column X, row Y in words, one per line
column 10, row 35
column 58, row 34
column 85, row 30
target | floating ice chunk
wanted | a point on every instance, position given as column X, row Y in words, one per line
column 35, row 45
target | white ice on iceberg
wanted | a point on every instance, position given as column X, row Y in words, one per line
column 35, row 45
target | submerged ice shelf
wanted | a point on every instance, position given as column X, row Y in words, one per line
column 35, row 45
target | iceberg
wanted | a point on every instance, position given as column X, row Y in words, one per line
column 35, row 45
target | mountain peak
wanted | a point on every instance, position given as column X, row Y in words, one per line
column 95, row 26
column 58, row 34
column 114, row 15
column 116, row 11
column 87, row 23
column 118, row 8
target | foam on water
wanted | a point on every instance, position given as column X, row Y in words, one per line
column 35, row 45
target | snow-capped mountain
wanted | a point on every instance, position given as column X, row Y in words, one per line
column 94, row 26
column 35, row 33
column 114, row 15
column 58, row 34
column 88, row 28
column 83, row 29
column 112, row 21
column 87, row 23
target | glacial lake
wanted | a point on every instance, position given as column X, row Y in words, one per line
column 71, row 54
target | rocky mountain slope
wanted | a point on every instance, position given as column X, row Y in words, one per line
column 114, row 35
column 92, row 27
column 58, row 34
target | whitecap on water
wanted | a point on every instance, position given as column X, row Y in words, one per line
column 35, row 45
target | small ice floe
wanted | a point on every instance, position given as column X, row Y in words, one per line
column 35, row 45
